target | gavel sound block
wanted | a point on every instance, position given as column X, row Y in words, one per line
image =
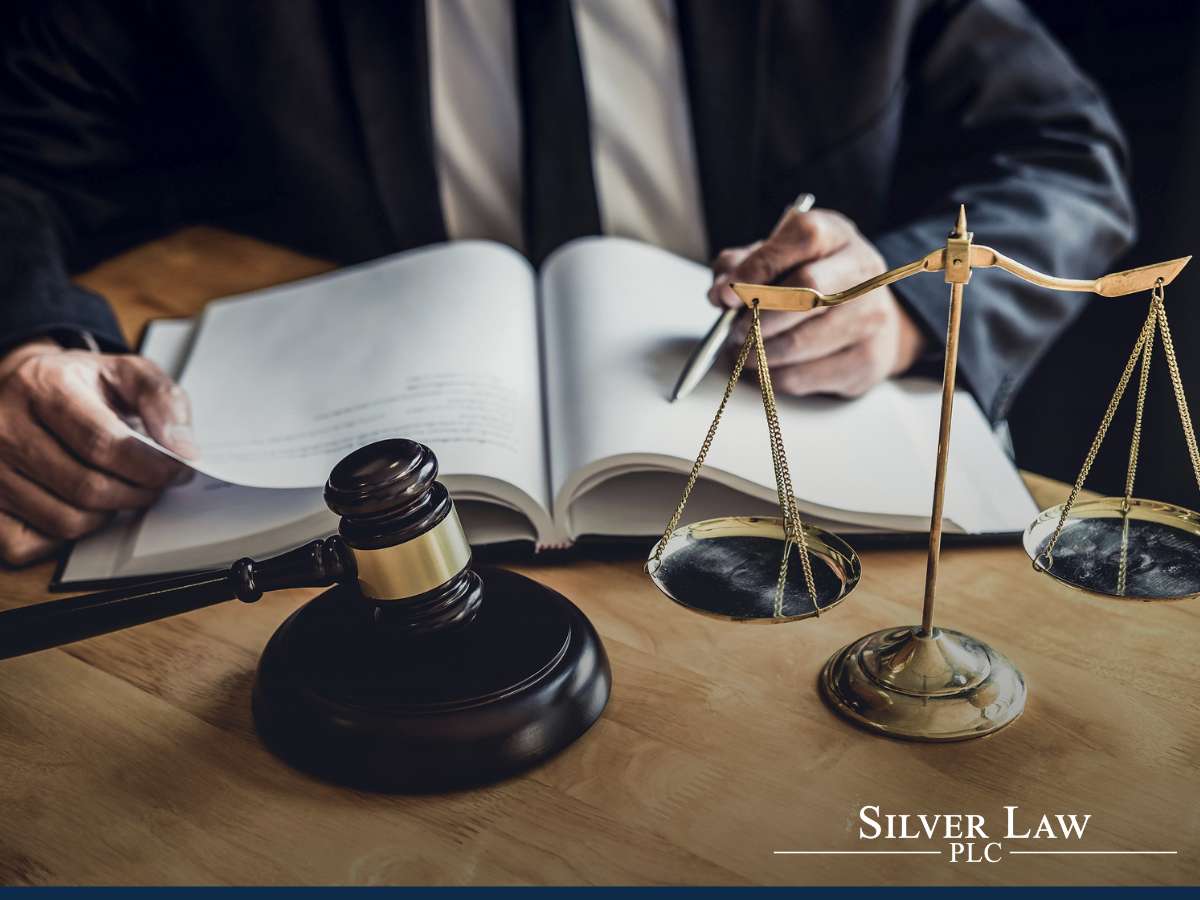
column 414, row 672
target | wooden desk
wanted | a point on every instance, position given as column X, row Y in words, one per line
column 132, row 758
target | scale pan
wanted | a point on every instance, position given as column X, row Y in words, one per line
column 1152, row 553
column 729, row 568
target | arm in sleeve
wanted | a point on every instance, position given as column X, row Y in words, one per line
column 999, row 118
column 75, row 148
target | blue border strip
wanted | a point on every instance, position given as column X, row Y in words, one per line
column 594, row 893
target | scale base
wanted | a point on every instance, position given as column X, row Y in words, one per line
column 944, row 686
column 338, row 697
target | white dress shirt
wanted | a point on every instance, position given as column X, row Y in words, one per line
column 643, row 157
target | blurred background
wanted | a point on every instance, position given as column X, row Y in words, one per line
column 1144, row 56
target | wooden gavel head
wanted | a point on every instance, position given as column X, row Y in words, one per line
column 410, row 556
column 415, row 672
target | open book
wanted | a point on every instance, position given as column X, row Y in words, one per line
column 544, row 395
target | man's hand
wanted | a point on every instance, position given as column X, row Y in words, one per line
column 831, row 350
column 67, row 459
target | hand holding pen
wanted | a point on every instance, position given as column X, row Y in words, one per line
column 709, row 348
column 842, row 350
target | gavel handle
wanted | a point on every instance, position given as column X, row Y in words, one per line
column 56, row 622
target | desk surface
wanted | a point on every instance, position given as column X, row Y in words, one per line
column 132, row 758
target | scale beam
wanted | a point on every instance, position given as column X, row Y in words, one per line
column 1117, row 284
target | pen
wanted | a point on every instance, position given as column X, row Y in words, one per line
column 707, row 351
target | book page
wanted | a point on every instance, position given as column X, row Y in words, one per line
column 208, row 523
column 620, row 319
column 438, row 344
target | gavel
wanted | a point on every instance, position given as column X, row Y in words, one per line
column 414, row 671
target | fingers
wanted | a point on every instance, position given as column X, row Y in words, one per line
column 797, row 239
column 36, row 455
column 44, row 511
column 853, row 262
column 40, row 458
column 69, row 403
column 43, row 485
column 856, row 262
column 723, row 268
column 20, row 545
column 817, row 336
column 848, row 373
column 826, row 275
column 67, row 459
column 161, row 404
column 774, row 322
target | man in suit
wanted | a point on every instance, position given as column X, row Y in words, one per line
column 349, row 129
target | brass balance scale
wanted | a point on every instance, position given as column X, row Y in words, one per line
column 923, row 682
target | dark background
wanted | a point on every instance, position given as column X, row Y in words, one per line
column 1144, row 56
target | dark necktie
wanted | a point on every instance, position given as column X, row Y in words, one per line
column 559, row 190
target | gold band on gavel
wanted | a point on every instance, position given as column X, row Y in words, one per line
column 416, row 566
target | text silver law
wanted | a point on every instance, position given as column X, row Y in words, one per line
column 969, row 835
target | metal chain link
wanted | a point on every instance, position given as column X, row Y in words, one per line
column 704, row 448
column 1143, row 348
column 792, row 526
column 1122, row 384
column 1135, row 442
column 1185, row 417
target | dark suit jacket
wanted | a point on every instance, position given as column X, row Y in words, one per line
column 307, row 122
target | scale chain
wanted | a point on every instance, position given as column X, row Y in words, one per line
column 1185, row 417
column 704, row 448
column 1113, row 403
column 1135, row 442
column 1144, row 349
column 793, row 528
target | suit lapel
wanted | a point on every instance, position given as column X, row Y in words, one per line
column 387, row 64
column 724, row 47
